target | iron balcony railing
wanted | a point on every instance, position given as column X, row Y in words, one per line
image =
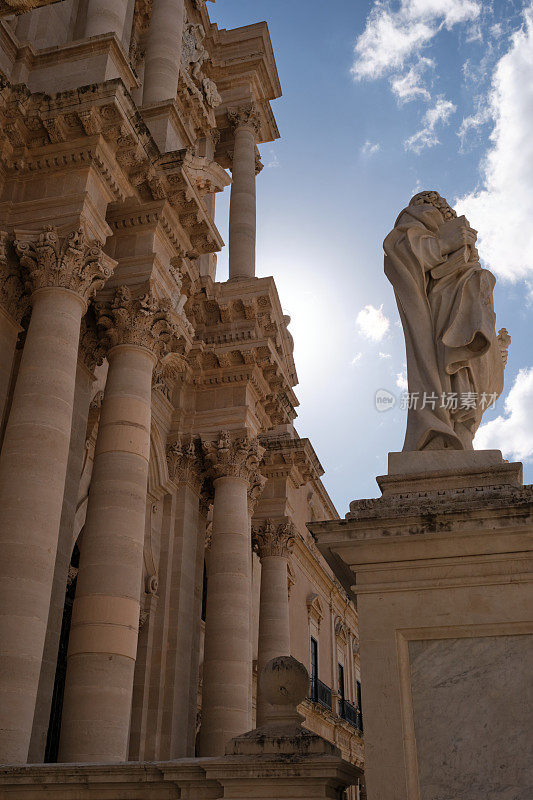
column 320, row 693
column 351, row 714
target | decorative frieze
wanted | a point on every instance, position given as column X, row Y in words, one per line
column 272, row 538
column 136, row 318
column 234, row 457
column 70, row 262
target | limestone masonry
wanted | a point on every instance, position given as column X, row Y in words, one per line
column 183, row 613
column 154, row 493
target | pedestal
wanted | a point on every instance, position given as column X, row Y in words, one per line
column 441, row 568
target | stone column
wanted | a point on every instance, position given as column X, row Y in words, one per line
column 33, row 464
column 105, row 618
column 227, row 670
column 88, row 357
column 274, row 542
column 106, row 16
column 242, row 214
column 90, row 354
column 163, row 51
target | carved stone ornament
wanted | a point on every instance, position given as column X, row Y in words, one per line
column 92, row 350
column 273, row 539
column 244, row 116
column 238, row 458
column 504, row 340
column 212, row 96
column 184, row 459
column 70, row 262
column 139, row 319
column 19, row 6
column 13, row 296
column 255, row 490
column 193, row 53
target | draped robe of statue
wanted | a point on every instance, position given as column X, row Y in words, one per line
column 447, row 312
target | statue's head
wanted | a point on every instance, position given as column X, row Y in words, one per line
column 433, row 198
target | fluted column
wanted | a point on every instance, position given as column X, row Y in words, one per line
column 63, row 274
column 163, row 51
column 105, row 618
column 274, row 542
column 227, row 670
column 242, row 214
column 106, row 16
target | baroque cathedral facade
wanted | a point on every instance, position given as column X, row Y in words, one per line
column 154, row 492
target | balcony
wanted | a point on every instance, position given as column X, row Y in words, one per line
column 320, row 693
column 351, row 714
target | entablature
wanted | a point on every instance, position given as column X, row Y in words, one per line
column 10, row 7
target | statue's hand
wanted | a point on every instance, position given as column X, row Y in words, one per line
column 455, row 237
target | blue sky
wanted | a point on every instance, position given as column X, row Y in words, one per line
column 380, row 100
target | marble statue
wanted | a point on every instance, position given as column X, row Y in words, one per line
column 455, row 360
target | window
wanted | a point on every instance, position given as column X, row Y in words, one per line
column 314, row 669
column 341, row 683
column 359, row 704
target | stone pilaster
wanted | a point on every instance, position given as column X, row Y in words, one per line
column 63, row 272
column 105, row 620
column 242, row 220
column 227, row 671
column 14, row 302
column 186, row 469
column 274, row 541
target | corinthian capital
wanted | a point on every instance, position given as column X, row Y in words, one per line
column 136, row 318
column 273, row 538
column 244, row 116
column 185, row 463
column 13, row 297
column 238, row 458
column 70, row 262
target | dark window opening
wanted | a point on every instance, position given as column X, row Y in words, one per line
column 54, row 726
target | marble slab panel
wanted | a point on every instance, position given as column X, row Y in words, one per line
column 473, row 716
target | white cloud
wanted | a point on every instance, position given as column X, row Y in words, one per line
column 439, row 114
column 410, row 86
column 391, row 37
column 401, row 380
column 475, row 121
column 274, row 160
column 355, row 360
column 502, row 209
column 512, row 433
column 384, row 355
column 370, row 148
column 372, row 323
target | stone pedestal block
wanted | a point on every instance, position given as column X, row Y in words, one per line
column 443, row 579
